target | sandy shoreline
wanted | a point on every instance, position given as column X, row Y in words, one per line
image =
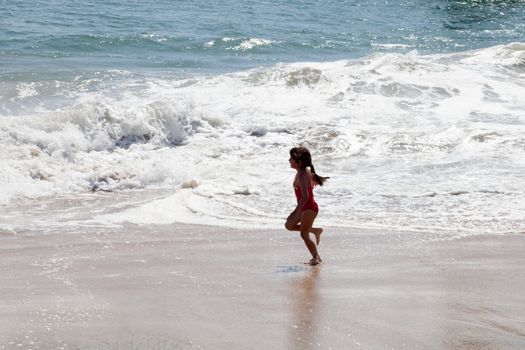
column 197, row 287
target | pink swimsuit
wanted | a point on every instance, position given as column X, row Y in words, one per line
column 310, row 203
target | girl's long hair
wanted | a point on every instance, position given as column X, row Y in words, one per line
column 304, row 158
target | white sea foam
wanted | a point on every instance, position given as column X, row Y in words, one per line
column 390, row 46
column 410, row 141
column 27, row 89
column 251, row 43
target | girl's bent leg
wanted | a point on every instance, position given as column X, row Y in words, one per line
column 294, row 226
column 317, row 231
column 307, row 220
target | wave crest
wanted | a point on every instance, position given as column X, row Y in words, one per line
column 102, row 126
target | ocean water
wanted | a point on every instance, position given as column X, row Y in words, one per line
column 184, row 111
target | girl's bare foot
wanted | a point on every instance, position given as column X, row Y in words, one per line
column 314, row 261
column 317, row 233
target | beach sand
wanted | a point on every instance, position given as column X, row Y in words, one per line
column 199, row 287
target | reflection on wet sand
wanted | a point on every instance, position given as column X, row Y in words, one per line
column 304, row 303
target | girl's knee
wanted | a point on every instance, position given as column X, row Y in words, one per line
column 289, row 225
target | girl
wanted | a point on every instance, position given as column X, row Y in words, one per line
column 302, row 218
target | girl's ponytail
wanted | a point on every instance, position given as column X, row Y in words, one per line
column 320, row 180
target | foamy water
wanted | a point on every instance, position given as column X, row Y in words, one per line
column 410, row 141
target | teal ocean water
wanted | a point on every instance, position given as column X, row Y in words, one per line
column 184, row 111
column 51, row 36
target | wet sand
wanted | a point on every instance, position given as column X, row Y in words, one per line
column 197, row 287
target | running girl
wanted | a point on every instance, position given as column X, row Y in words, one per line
column 302, row 218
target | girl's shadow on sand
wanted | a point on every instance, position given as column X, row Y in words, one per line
column 305, row 300
column 304, row 303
